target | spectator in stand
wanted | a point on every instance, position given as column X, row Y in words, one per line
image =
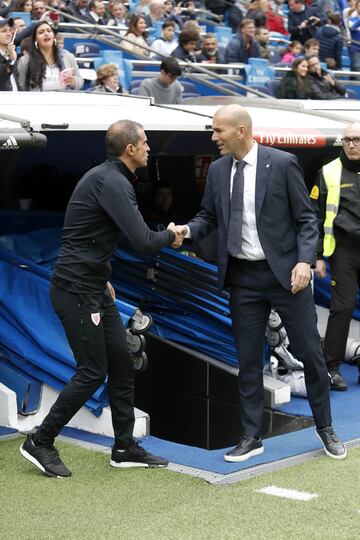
column 19, row 25
column 165, row 89
column 219, row 7
column 107, row 79
column 275, row 20
column 38, row 10
column 119, row 15
column 156, row 13
column 136, row 34
column 23, row 5
column 312, row 46
column 292, row 52
column 262, row 38
column 78, row 8
column 235, row 13
column 8, row 57
column 210, row 53
column 187, row 46
column 96, row 13
column 302, row 21
column 47, row 67
column 346, row 14
column 173, row 13
column 165, row 45
column 256, row 13
column 243, row 45
column 331, row 42
column 354, row 27
column 5, row 8
column 295, row 83
column 323, row 86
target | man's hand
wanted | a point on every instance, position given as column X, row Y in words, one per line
column 300, row 277
column 11, row 49
column 111, row 290
column 320, row 269
column 180, row 231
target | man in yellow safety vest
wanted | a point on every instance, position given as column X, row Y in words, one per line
column 337, row 196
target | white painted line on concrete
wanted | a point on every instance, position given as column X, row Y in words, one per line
column 288, row 493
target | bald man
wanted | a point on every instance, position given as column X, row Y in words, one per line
column 340, row 241
column 267, row 238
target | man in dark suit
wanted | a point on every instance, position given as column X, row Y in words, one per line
column 267, row 230
column 101, row 210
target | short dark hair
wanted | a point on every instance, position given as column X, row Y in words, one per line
column 120, row 134
column 171, row 66
column 188, row 35
column 167, row 24
column 311, row 42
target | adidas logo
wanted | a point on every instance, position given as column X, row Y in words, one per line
column 10, row 144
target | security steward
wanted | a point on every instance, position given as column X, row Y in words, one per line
column 102, row 208
column 337, row 197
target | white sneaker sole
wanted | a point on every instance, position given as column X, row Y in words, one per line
column 35, row 462
column 329, row 454
column 252, row 453
column 127, row 464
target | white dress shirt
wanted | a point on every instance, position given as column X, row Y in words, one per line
column 250, row 244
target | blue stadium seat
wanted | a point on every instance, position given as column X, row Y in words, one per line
column 187, row 86
column 86, row 50
column 258, row 71
column 346, row 63
column 231, row 87
column 351, row 94
column 272, row 86
column 224, row 34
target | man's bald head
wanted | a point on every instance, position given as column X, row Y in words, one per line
column 236, row 115
column 232, row 127
column 351, row 141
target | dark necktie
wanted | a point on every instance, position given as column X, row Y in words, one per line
column 236, row 210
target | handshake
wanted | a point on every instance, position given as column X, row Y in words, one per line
column 180, row 233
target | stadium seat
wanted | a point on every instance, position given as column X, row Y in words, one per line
column 190, row 95
column 351, row 94
column 224, row 35
column 272, row 86
column 187, row 86
column 86, row 50
column 26, row 17
column 346, row 62
column 135, row 84
column 258, row 71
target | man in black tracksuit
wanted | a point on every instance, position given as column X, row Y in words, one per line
column 340, row 241
column 102, row 208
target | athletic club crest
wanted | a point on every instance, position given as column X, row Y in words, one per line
column 95, row 317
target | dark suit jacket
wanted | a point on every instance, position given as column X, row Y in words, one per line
column 285, row 219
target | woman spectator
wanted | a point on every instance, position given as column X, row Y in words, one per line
column 295, row 84
column 137, row 34
column 293, row 51
column 23, row 5
column 46, row 67
column 107, row 79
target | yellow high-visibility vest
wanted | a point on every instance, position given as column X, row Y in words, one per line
column 332, row 176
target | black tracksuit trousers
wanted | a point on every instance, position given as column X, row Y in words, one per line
column 97, row 338
column 345, row 278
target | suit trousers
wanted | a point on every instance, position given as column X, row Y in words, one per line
column 97, row 337
column 345, row 277
column 253, row 291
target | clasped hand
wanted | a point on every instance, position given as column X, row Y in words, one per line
column 179, row 231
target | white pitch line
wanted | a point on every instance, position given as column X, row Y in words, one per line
column 288, row 493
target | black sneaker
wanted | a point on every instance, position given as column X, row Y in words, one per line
column 135, row 456
column 337, row 381
column 334, row 448
column 46, row 458
column 248, row 447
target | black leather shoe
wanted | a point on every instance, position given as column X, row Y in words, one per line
column 248, row 447
column 334, row 448
column 337, row 381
